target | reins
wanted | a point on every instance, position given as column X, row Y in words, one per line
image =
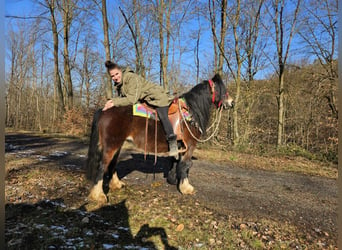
column 193, row 136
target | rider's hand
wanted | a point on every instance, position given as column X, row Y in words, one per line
column 108, row 105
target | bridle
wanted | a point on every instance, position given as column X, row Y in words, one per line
column 217, row 118
column 212, row 89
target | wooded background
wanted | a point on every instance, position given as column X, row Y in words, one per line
column 277, row 57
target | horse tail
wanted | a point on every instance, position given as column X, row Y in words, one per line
column 94, row 151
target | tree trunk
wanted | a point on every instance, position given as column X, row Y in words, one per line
column 58, row 92
column 109, row 87
column 222, row 35
column 161, row 40
column 281, row 118
column 283, row 54
column 213, row 30
column 67, row 19
column 238, row 74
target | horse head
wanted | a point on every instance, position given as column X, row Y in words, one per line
column 220, row 95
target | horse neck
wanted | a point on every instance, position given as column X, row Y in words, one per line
column 199, row 103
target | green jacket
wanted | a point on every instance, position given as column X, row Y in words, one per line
column 135, row 88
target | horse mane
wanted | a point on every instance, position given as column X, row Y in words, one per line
column 199, row 100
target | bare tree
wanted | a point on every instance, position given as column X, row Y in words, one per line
column 253, row 49
column 58, row 92
column 138, row 40
column 105, row 27
column 223, row 30
column 283, row 50
column 319, row 32
column 164, row 13
column 67, row 10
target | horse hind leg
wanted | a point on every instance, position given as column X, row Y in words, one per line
column 115, row 182
column 100, row 189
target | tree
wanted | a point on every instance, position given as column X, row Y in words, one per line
column 106, row 44
column 218, row 42
column 58, row 92
column 282, row 25
column 137, row 38
column 164, row 9
column 67, row 10
column 319, row 32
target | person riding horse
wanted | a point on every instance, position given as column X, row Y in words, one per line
column 132, row 88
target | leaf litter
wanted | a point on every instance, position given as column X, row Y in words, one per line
column 46, row 207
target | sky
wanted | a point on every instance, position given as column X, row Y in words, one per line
column 17, row 7
column 24, row 7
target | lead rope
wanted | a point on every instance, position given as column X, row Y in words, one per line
column 155, row 138
column 187, row 125
column 146, row 139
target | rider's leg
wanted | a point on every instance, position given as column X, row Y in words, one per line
column 170, row 135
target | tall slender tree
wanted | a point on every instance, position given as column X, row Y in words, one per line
column 106, row 44
column 58, row 91
column 283, row 43
column 67, row 9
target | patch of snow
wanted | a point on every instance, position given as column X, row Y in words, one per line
column 60, row 228
column 124, row 228
column 58, row 154
column 108, row 246
column 115, row 236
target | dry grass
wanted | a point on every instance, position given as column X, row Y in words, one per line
column 294, row 164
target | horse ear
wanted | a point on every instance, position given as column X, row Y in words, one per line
column 217, row 78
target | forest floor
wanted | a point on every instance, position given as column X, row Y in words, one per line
column 241, row 201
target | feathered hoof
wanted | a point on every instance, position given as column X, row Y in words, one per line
column 185, row 187
column 97, row 195
column 116, row 184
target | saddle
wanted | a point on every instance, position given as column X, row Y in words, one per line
column 175, row 117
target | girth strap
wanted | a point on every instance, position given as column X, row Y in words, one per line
column 155, row 137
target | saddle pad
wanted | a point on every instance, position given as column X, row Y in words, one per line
column 143, row 111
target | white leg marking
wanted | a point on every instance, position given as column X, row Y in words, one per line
column 185, row 187
column 97, row 194
column 115, row 183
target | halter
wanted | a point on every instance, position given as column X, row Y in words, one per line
column 212, row 88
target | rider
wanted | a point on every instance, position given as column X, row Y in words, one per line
column 133, row 88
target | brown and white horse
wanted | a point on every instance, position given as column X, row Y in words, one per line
column 112, row 127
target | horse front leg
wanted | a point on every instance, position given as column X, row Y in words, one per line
column 172, row 174
column 183, row 168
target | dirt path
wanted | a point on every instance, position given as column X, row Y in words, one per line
column 307, row 202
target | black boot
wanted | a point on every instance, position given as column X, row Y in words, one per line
column 173, row 147
column 170, row 136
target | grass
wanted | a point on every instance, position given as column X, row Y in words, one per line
column 279, row 163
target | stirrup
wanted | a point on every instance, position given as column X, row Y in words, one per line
column 173, row 147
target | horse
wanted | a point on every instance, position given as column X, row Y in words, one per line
column 112, row 127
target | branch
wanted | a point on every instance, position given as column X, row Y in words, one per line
column 133, row 34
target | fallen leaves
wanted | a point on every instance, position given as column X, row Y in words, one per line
column 180, row 228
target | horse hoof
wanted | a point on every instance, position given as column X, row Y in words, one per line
column 96, row 194
column 100, row 198
column 185, row 187
column 116, row 185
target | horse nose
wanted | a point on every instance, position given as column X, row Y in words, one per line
column 232, row 104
